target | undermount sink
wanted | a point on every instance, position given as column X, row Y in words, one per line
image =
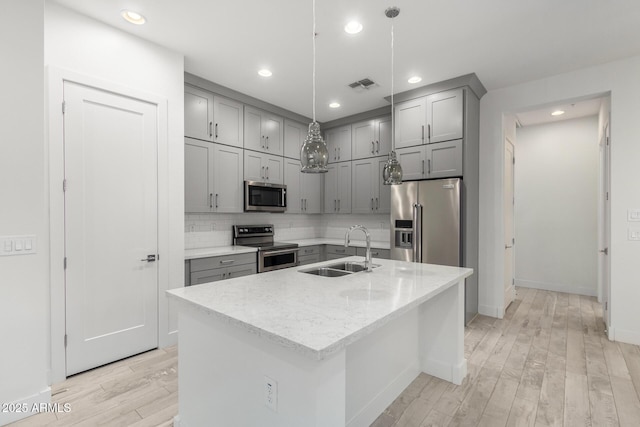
column 337, row 270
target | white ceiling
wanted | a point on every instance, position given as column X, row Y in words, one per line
column 572, row 110
column 503, row 41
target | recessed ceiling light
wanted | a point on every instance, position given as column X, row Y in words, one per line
column 353, row 27
column 415, row 79
column 334, row 105
column 133, row 17
column 265, row 73
column 557, row 113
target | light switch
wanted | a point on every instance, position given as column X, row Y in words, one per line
column 27, row 245
column 633, row 215
column 18, row 245
column 8, row 245
column 634, row 233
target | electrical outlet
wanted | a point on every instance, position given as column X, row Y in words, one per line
column 271, row 393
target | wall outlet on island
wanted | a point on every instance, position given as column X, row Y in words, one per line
column 271, row 393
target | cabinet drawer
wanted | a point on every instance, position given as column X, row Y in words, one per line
column 336, row 251
column 222, row 261
column 375, row 253
column 217, row 274
column 309, row 250
column 241, row 270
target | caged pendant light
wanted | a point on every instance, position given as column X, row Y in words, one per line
column 314, row 154
column 392, row 171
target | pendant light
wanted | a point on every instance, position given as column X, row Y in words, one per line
column 392, row 171
column 314, row 154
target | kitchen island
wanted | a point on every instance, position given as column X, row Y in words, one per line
column 288, row 348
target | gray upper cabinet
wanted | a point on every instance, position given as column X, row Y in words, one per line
column 369, row 194
column 337, row 188
column 212, row 118
column 440, row 160
column 304, row 190
column 294, row 135
column 198, row 113
column 228, row 121
column 263, row 131
column 339, row 143
column 371, row 138
column 213, row 177
column 411, row 121
column 263, row 167
column 445, row 116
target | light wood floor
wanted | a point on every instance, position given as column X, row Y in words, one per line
column 547, row 363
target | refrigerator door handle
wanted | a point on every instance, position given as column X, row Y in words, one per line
column 417, row 233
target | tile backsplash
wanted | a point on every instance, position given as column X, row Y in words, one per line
column 213, row 229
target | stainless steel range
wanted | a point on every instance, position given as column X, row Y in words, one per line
column 271, row 255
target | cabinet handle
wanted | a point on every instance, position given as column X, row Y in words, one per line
column 210, row 133
column 377, row 204
column 267, row 142
column 227, row 261
column 373, row 147
column 377, row 146
column 429, row 133
column 423, row 134
column 266, row 171
column 262, row 172
column 223, row 275
column 335, row 205
column 375, row 253
column 429, row 167
column 423, row 167
column 262, row 141
column 216, row 131
column 372, row 203
column 216, row 201
column 338, row 153
column 210, row 200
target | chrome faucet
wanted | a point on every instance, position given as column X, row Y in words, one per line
column 367, row 260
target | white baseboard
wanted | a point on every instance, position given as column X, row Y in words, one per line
column 445, row 370
column 377, row 405
column 558, row 287
column 25, row 407
column 623, row 335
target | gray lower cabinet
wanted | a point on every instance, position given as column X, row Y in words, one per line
column 310, row 255
column 375, row 253
column 337, row 251
column 213, row 269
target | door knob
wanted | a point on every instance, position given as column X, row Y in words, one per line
column 604, row 251
column 149, row 258
column 508, row 246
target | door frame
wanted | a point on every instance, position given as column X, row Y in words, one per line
column 604, row 221
column 54, row 169
column 508, row 141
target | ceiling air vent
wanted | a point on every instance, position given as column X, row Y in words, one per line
column 363, row 84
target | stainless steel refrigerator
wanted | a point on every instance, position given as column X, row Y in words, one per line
column 426, row 226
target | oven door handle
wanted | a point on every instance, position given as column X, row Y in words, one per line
column 281, row 251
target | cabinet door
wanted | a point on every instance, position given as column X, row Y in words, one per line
column 312, row 191
column 253, row 166
column 240, row 270
column 253, row 138
column 382, row 193
column 198, row 176
column 228, row 124
column 331, row 189
column 363, row 139
column 444, row 159
column 198, row 113
column 294, row 135
column 273, row 169
column 273, row 132
column 339, row 143
column 292, row 178
column 410, row 117
column 444, row 116
column 362, row 182
column 383, row 136
column 228, row 178
column 412, row 160
column 344, row 187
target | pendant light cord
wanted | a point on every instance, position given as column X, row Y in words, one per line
column 393, row 126
column 314, row 61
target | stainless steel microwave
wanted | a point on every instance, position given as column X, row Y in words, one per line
column 264, row 197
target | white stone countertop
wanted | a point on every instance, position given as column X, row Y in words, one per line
column 340, row 242
column 217, row 251
column 318, row 316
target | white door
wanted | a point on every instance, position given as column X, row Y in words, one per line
column 509, row 274
column 604, row 224
column 110, row 145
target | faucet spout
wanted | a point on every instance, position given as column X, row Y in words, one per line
column 367, row 260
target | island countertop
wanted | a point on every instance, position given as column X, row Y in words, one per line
column 318, row 316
